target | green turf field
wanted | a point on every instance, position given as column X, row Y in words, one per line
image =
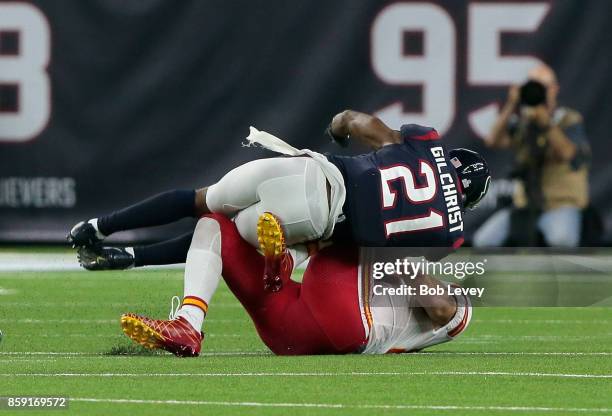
column 62, row 337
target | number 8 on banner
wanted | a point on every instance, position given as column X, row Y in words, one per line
column 24, row 82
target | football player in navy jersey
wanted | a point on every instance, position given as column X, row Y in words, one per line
column 410, row 191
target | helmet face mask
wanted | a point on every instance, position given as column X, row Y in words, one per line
column 473, row 204
column 473, row 173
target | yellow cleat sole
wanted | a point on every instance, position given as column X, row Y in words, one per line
column 270, row 235
column 140, row 333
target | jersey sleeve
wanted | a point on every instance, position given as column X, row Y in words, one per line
column 410, row 132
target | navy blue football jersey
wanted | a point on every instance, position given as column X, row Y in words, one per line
column 403, row 195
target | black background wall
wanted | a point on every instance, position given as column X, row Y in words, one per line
column 147, row 95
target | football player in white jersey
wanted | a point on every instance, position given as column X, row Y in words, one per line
column 332, row 311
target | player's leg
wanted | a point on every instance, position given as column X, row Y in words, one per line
column 438, row 318
column 160, row 209
column 281, row 321
column 331, row 294
column 243, row 270
column 293, row 188
column 440, row 308
column 181, row 334
column 170, row 251
column 289, row 320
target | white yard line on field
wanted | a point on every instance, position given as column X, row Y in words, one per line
column 496, row 337
column 103, row 355
column 246, row 320
column 13, row 261
column 117, row 335
column 251, row 352
column 27, row 353
column 58, row 321
column 97, row 321
column 97, row 305
column 348, row 406
column 320, row 374
column 527, row 353
column 541, row 321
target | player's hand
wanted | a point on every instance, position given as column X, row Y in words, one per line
column 341, row 140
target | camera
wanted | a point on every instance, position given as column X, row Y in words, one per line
column 532, row 93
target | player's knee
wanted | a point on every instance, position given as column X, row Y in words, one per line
column 207, row 235
column 213, row 198
column 222, row 220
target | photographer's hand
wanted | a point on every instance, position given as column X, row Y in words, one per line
column 499, row 137
column 514, row 95
column 560, row 145
column 541, row 116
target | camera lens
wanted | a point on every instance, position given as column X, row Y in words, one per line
column 533, row 93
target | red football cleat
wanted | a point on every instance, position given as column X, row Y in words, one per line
column 278, row 262
column 176, row 336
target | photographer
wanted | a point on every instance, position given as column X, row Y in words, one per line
column 552, row 155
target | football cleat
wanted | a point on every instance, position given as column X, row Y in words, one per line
column 105, row 258
column 176, row 335
column 83, row 234
column 271, row 240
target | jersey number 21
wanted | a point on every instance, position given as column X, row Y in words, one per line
column 415, row 195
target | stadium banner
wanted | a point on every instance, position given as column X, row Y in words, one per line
column 104, row 103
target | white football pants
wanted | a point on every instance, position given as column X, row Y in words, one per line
column 292, row 188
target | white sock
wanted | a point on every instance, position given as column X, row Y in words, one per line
column 193, row 315
column 94, row 222
column 202, row 272
column 299, row 253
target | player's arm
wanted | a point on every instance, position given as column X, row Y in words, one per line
column 370, row 130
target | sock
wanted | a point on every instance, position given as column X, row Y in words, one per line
column 160, row 209
column 202, row 272
column 94, row 223
column 299, row 253
column 166, row 252
column 194, row 311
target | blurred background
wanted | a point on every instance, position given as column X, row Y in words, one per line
column 105, row 102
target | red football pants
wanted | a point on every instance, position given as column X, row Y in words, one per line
column 321, row 315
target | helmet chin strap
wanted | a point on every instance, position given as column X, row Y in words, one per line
column 463, row 202
column 460, row 189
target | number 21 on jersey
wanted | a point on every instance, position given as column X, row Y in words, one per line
column 414, row 194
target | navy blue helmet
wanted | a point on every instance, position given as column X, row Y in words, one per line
column 473, row 174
